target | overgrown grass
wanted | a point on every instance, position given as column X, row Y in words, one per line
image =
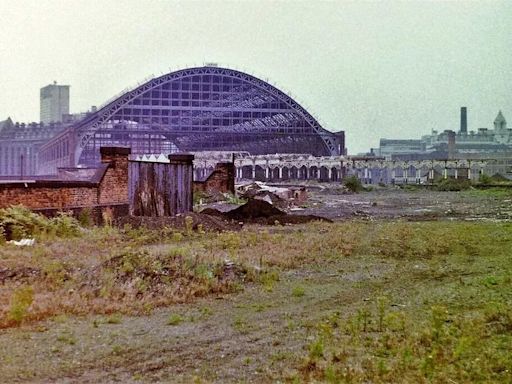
column 447, row 316
column 128, row 271
column 493, row 192
column 452, row 184
column 442, row 314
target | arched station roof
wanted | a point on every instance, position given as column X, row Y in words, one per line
column 204, row 108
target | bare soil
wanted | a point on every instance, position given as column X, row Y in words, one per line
column 421, row 204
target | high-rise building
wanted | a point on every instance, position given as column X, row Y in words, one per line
column 54, row 102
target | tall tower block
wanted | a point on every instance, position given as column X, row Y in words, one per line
column 54, row 102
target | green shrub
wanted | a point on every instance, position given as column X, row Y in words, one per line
column 453, row 185
column 64, row 225
column 18, row 222
column 353, row 184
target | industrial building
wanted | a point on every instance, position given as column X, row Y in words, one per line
column 484, row 142
column 197, row 109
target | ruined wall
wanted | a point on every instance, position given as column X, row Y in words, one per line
column 47, row 194
column 114, row 186
column 222, row 180
column 105, row 190
column 108, row 191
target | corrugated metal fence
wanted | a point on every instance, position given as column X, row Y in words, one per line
column 161, row 189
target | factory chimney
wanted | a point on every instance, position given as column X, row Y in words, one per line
column 463, row 120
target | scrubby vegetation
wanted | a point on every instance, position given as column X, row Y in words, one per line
column 368, row 301
column 18, row 222
column 353, row 184
column 452, row 184
column 447, row 319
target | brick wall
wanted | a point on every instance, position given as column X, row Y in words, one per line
column 107, row 190
column 113, row 189
column 45, row 195
column 222, row 180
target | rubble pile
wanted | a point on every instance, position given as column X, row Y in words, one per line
column 261, row 212
column 282, row 197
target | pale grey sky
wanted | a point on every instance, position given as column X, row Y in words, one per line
column 384, row 69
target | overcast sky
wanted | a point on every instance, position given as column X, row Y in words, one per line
column 387, row 69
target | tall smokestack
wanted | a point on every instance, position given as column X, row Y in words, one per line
column 463, row 120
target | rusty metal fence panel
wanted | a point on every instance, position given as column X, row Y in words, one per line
column 161, row 189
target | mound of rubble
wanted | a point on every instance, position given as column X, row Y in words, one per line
column 281, row 197
column 261, row 212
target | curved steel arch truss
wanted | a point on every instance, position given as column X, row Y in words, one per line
column 205, row 108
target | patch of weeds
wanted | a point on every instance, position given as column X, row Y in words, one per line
column 21, row 299
column 176, row 237
column 118, row 350
column 269, row 279
column 234, row 199
column 65, row 225
column 241, row 325
column 114, row 318
column 291, row 325
column 55, row 273
column 490, row 281
column 280, row 356
column 453, row 185
column 67, row 337
column 174, row 319
column 230, row 241
column 259, row 307
column 205, row 312
column 189, row 225
column 391, row 345
column 298, row 291
column 316, row 349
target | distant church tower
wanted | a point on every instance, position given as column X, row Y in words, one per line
column 500, row 124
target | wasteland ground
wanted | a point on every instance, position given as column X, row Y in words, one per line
column 404, row 286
